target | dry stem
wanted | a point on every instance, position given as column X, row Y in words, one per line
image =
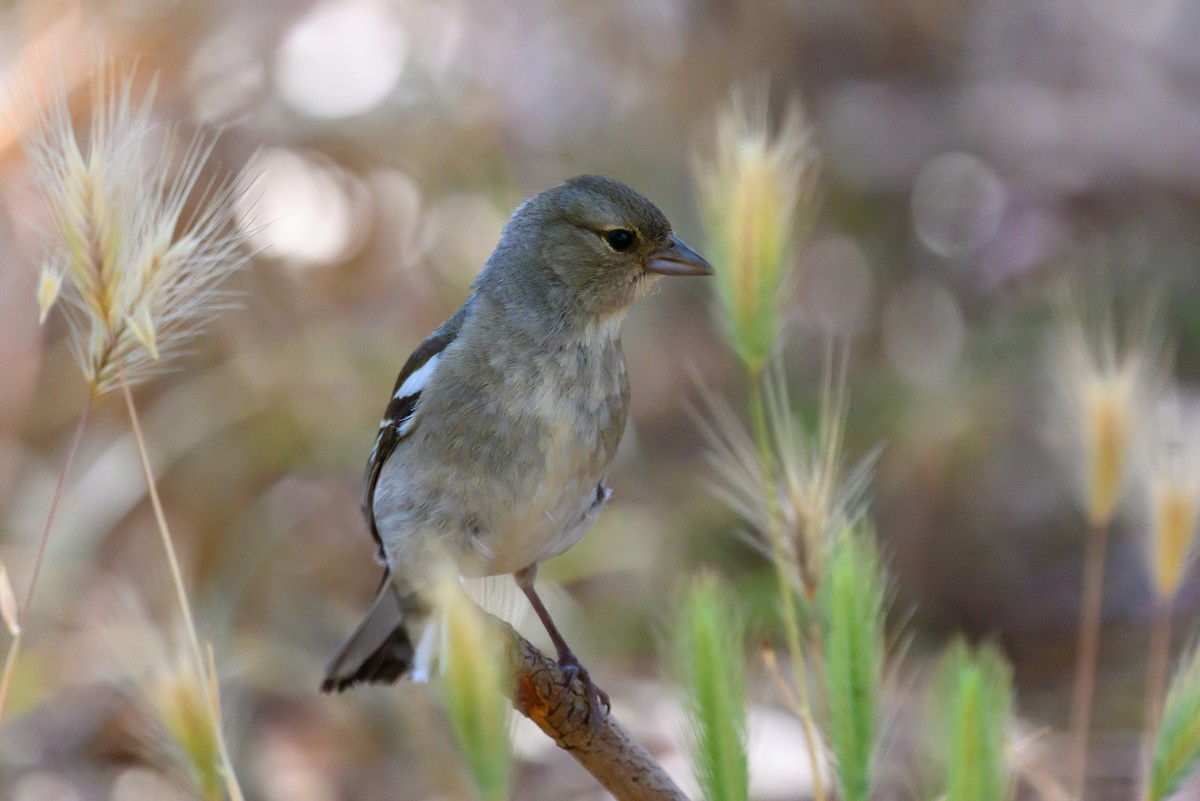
column 160, row 518
column 1157, row 656
column 1089, row 648
column 200, row 664
column 14, row 648
column 787, row 600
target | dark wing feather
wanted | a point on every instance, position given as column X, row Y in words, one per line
column 400, row 411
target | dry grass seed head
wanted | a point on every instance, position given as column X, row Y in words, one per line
column 758, row 193
column 135, row 247
column 1171, row 477
column 1106, row 381
column 183, row 739
column 818, row 494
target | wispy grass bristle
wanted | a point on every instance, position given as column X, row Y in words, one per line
column 816, row 493
column 853, row 606
column 185, row 738
column 1177, row 745
column 709, row 651
column 181, row 706
column 138, row 273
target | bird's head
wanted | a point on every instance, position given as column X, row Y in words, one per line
column 591, row 246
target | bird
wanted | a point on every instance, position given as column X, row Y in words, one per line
column 494, row 447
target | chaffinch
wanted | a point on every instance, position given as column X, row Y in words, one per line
column 495, row 442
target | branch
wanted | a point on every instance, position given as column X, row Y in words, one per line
column 606, row 750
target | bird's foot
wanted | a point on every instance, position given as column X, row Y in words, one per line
column 568, row 663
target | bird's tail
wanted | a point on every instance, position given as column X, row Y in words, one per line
column 380, row 649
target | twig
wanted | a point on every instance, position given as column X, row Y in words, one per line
column 605, row 748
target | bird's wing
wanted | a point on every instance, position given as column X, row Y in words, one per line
column 400, row 415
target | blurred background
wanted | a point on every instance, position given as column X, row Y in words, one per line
column 975, row 153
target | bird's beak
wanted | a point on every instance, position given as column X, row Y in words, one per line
column 676, row 258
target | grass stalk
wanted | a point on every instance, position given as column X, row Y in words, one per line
column 782, row 683
column 200, row 664
column 1158, row 655
column 1088, row 651
column 14, row 647
column 232, row 786
column 816, row 651
column 137, row 252
column 787, row 595
column 160, row 519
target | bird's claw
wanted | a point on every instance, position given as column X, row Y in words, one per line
column 570, row 667
column 572, row 670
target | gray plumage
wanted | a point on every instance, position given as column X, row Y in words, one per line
column 494, row 446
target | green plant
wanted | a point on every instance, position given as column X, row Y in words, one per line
column 1177, row 741
column 852, row 611
column 471, row 685
column 709, row 651
column 970, row 720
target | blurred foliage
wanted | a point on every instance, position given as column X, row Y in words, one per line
column 970, row 704
column 1177, row 745
column 709, row 656
column 974, row 154
column 852, row 607
column 472, row 684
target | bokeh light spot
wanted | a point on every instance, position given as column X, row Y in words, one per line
column 957, row 203
column 838, row 287
column 304, row 212
column 400, row 203
column 923, row 332
column 341, row 59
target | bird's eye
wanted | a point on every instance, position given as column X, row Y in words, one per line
column 620, row 239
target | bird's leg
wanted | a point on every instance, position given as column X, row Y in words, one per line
column 567, row 661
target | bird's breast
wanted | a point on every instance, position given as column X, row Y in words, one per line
column 574, row 410
column 578, row 399
column 506, row 473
